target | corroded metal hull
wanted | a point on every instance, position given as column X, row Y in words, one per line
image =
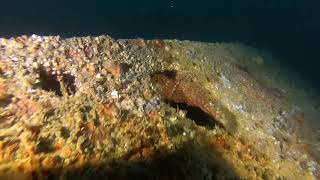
column 95, row 107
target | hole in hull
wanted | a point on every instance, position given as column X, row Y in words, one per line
column 194, row 113
column 180, row 91
column 69, row 81
column 49, row 82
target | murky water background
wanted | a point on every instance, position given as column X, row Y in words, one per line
column 273, row 47
column 288, row 29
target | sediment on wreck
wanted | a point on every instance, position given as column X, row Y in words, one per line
column 96, row 107
column 179, row 91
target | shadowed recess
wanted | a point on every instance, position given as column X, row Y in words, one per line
column 49, row 82
column 178, row 90
column 183, row 163
column 69, row 80
column 194, row 113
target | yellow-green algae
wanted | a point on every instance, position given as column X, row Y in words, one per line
column 95, row 107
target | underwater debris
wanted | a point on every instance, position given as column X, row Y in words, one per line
column 96, row 107
column 178, row 89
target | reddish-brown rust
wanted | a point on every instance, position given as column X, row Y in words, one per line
column 108, row 110
column 60, row 143
column 153, row 115
column 8, row 148
column 221, row 142
column 180, row 89
column 26, row 107
column 159, row 44
column 115, row 70
column 96, row 132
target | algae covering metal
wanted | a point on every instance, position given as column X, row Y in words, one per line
column 96, row 107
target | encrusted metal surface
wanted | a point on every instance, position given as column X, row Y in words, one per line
column 94, row 107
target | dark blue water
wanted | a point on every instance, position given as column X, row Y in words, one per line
column 288, row 28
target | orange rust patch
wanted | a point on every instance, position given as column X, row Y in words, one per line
column 28, row 138
column 109, row 111
column 164, row 134
column 143, row 153
column 81, row 160
column 148, row 152
column 60, row 143
column 51, row 163
column 153, row 115
column 147, row 94
column 91, row 126
column 96, row 132
column 21, row 39
column 221, row 143
column 31, row 149
column 8, row 148
column 32, row 165
column 115, row 70
column 26, row 107
column 67, row 152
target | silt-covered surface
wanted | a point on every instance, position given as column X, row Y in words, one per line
column 96, row 107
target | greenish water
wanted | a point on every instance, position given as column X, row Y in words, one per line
column 288, row 28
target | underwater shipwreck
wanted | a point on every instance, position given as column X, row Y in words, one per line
column 101, row 108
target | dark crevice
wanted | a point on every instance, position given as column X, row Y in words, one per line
column 50, row 82
column 194, row 113
column 69, row 80
column 65, row 132
column 1, row 73
column 125, row 67
column 168, row 74
column 45, row 145
column 6, row 101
